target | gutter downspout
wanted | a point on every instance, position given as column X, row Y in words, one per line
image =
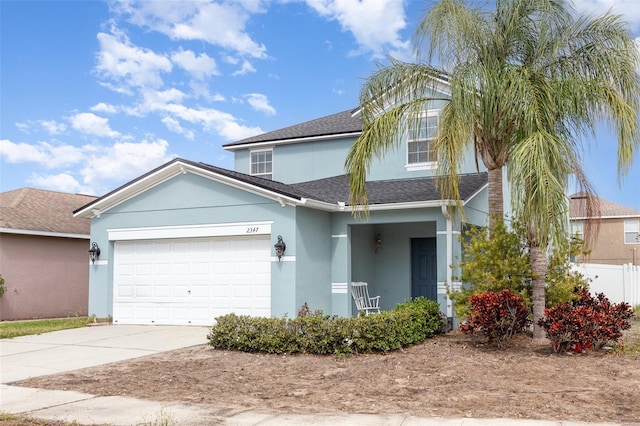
column 447, row 216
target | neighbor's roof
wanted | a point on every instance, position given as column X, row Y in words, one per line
column 41, row 212
column 330, row 194
column 345, row 123
column 608, row 209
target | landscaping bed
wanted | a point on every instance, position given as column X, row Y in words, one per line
column 445, row 376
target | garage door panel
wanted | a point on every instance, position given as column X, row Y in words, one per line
column 191, row 281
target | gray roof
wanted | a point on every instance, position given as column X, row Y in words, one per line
column 336, row 189
column 30, row 209
column 345, row 122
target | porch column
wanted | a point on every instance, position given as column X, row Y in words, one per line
column 340, row 274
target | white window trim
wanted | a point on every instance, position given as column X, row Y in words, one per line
column 577, row 225
column 636, row 230
column 429, row 165
column 251, row 152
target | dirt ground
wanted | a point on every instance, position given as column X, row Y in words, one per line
column 447, row 376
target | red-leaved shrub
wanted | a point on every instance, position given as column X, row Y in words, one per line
column 498, row 316
column 587, row 322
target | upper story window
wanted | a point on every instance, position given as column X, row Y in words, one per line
column 632, row 232
column 262, row 163
column 577, row 229
column 420, row 136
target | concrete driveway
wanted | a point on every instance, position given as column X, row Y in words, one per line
column 50, row 353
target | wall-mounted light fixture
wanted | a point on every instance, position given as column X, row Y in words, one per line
column 94, row 252
column 377, row 242
column 280, row 247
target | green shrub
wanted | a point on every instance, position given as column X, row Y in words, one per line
column 408, row 323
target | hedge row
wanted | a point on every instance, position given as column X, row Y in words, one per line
column 408, row 323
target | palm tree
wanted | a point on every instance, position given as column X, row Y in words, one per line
column 527, row 81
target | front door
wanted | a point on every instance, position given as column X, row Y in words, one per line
column 423, row 268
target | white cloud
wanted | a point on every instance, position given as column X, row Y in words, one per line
column 259, row 102
column 89, row 123
column 217, row 24
column 45, row 154
column 175, row 126
column 122, row 161
column 104, row 108
column 375, row 24
column 200, row 67
column 53, row 127
column 628, row 8
column 64, row 182
column 129, row 65
column 246, row 67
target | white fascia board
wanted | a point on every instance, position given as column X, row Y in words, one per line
column 167, row 173
column 43, row 233
column 272, row 143
column 635, row 216
column 482, row 188
column 402, row 206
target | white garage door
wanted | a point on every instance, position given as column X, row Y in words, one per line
column 191, row 280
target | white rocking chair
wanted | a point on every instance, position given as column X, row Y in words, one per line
column 364, row 303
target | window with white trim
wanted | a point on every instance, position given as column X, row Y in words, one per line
column 262, row 163
column 420, row 136
column 577, row 229
column 632, row 232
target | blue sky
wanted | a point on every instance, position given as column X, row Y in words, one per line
column 93, row 94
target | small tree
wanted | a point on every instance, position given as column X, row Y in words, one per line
column 491, row 264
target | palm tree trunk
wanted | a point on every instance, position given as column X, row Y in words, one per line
column 538, row 260
column 496, row 201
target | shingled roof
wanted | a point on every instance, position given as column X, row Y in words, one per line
column 578, row 208
column 345, row 122
column 336, row 189
column 42, row 211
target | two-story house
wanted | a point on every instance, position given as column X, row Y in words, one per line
column 189, row 241
column 618, row 239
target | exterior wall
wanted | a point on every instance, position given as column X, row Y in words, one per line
column 192, row 200
column 45, row 277
column 609, row 246
column 313, row 260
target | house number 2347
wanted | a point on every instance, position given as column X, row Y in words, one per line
column 252, row 230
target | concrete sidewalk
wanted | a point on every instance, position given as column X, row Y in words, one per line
column 68, row 350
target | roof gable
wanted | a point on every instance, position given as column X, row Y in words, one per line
column 331, row 194
column 43, row 212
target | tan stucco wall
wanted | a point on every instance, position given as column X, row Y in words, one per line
column 609, row 247
column 45, row 277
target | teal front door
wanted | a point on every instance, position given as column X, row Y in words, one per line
column 423, row 268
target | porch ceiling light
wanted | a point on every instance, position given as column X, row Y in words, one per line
column 94, row 252
column 280, row 247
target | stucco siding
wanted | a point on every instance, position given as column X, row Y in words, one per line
column 45, row 277
column 609, row 246
column 187, row 200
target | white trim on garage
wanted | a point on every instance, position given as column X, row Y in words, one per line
column 190, row 231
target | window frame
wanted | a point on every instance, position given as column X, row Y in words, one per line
column 631, row 226
column 424, row 165
column 264, row 175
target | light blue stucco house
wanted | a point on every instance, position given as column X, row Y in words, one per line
column 189, row 241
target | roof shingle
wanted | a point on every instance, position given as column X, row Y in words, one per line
column 32, row 209
column 578, row 208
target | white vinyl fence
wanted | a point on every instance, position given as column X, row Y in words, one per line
column 620, row 283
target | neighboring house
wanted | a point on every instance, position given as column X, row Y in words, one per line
column 618, row 232
column 189, row 241
column 43, row 254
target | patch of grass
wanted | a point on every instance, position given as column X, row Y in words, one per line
column 629, row 345
column 23, row 328
column 7, row 419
